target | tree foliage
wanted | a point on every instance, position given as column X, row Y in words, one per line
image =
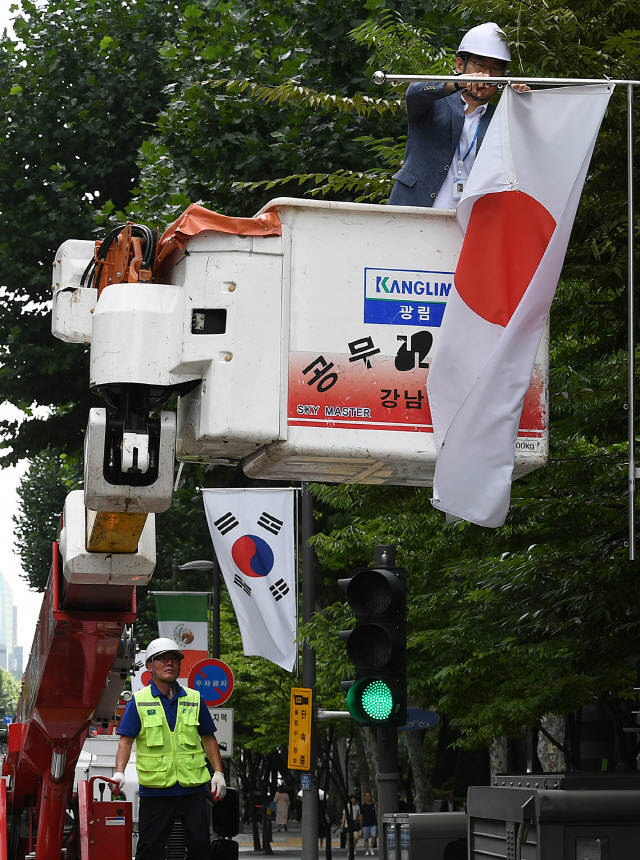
column 263, row 94
column 9, row 691
column 221, row 104
column 50, row 477
column 81, row 88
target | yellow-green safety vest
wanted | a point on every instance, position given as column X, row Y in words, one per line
column 164, row 757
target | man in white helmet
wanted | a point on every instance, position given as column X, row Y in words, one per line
column 448, row 121
column 173, row 731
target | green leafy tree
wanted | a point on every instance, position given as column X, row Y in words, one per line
column 9, row 692
column 81, row 87
column 262, row 94
column 50, row 477
column 505, row 626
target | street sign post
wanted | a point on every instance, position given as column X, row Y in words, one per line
column 213, row 679
column 300, row 728
column 223, row 720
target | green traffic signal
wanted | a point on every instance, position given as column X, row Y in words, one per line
column 377, row 646
column 377, row 700
column 373, row 700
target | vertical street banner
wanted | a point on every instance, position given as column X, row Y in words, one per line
column 516, row 216
column 182, row 616
column 254, row 539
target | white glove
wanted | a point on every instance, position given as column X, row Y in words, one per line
column 119, row 778
column 218, row 785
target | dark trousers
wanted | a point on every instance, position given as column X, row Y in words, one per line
column 156, row 818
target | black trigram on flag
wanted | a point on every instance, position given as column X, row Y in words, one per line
column 279, row 589
column 270, row 523
column 237, row 580
column 226, row 522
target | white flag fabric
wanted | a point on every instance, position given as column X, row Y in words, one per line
column 516, row 217
column 253, row 536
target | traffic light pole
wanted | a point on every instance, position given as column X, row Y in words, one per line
column 388, row 775
column 310, row 816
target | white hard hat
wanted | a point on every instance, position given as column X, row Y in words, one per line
column 486, row 40
column 161, row 646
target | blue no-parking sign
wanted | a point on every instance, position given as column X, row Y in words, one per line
column 213, row 679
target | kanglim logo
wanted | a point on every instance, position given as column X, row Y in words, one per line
column 409, row 287
column 406, row 297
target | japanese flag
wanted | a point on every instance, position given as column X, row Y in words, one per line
column 516, row 217
column 253, row 537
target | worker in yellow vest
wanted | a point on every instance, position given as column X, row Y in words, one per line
column 173, row 731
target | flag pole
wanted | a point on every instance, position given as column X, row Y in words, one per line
column 630, row 326
column 384, row 78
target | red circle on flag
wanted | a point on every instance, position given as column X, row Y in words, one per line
column 213, row 679
column 252, row 555
column 507, row 237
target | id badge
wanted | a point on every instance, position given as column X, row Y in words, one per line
column 458, row 186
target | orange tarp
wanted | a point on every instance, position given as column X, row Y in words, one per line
column 195, row 219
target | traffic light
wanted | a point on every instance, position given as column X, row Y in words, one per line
column 377, row 646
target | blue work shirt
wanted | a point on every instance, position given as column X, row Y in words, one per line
column 130, row 726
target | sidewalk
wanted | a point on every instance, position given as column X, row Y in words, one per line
column 289, row 844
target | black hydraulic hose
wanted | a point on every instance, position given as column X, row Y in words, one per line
column 149, row 250
column 92, row 273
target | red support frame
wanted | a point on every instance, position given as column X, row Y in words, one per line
column 78, row 634
column 3, row 820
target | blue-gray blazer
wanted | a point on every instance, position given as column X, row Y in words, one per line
column 436, row 121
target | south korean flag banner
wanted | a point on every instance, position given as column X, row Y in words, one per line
column 254, row 539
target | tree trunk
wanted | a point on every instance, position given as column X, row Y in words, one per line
column 423, row 793
column 368, row 781
column 337, row 785
column 551, row 758
column 499, row 756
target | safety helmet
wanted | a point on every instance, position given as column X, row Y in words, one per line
column 161, row 646
column 486, row 40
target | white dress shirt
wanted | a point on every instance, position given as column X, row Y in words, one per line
column 444, row 197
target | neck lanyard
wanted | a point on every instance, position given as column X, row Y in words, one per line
column 462, row 160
